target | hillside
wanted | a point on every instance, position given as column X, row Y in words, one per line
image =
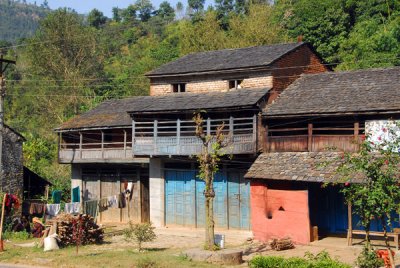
column 19, row 19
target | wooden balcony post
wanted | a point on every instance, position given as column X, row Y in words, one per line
column 155, row 136
column 102, row 144
column 59, row 145
column 80, row 144
column 310, row 137
column 208, row 126
column 231, row 126
column 255, row 128
column 133, row 136
column 178, row 136
column 125, row 142
column 356, row 133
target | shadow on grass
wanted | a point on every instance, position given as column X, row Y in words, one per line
column 154, row 249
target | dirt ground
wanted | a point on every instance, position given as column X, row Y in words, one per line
column 166, row 250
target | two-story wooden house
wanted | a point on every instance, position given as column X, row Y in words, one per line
column 308, row 128
column 150, row 140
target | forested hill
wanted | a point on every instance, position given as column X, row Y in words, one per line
column 19, row 19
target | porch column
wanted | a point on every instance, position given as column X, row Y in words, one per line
column 76, row 180
column 157, row 192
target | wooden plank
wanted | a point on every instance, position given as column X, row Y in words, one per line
column 310, row 137
column 349, row 225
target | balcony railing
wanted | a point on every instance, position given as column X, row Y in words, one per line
column 152, row 138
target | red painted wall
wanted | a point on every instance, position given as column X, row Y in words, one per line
column 268, row 221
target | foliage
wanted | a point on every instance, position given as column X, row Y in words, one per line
column 146, row 263
column 23, row 235
column 18, row 19
column 141, row 232
column 96, row 18
column 322, row 259
column 368, row 259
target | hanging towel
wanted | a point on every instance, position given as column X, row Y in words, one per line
column 91, row 208
column 113, row 201
column 53, row 209
column 76, row 196
column 37, row 209
column 121, row 200
column 128, row 190
column 103, row 204
column 72, row 208
column 56, row 195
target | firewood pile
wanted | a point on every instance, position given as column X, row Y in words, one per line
column 281, row 244
column 68, row 230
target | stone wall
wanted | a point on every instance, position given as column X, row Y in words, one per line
column 13, row 180
column 203, row 84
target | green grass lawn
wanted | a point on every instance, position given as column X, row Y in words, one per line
column 105, row 255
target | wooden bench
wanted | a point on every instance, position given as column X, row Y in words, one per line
column 350, row 234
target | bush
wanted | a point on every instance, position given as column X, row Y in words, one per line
column 266, row 262
column 368, row 259
column 23, row 235
column 146, row 263
column 141, row 232
column 320, row 260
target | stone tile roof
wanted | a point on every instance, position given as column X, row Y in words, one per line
column 114, row 113
column 226, row 59
column 296, row 166
column 370, row 90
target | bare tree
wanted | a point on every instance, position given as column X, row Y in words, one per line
column 208, row 160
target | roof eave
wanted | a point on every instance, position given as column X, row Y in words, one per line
column 376, row 112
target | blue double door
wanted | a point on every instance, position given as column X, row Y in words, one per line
column 185, row 201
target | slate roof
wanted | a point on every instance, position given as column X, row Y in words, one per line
column 226, row 59
column 114, row 113
column 370, row 90
column 297, row 166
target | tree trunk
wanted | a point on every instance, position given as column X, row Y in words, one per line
column 383, row 222
column 209, row 223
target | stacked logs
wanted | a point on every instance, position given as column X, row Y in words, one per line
column 281, row 244
column 82, row 227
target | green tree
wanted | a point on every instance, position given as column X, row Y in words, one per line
column 323, row 23
column 96, row 18
column 166, row 12
column 145, row 9
column 378, row 195
column 116, row 14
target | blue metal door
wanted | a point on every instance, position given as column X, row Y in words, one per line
column 179, row 197
column 185, row 202
column 238, row 200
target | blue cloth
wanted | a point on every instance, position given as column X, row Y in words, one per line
column 76, row 197
column 56, row 195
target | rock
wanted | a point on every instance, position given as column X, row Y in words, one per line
column 224, row 256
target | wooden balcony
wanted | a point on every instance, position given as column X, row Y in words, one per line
column 285, row 141
column 160, row 138
column 116, row 152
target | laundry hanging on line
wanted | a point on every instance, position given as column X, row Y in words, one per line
column 37, row 209
column 56, row 196
column 72, row 208
column 53, row 209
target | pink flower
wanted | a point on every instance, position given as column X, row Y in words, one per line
column 384, row 129
column 347, row 184
column 387, row 162
column 379, row 138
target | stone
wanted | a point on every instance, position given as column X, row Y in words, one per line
column 224, row 256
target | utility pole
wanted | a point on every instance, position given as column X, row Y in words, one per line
column 3, row 67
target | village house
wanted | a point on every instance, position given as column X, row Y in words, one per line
column 18, row 179
column 150, row 140
column 308, row 128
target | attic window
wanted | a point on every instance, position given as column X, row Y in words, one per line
column 235, row 84
column 178, row 88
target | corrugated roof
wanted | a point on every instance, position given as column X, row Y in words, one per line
column 297, row 166
column 370, row 90
column 225, row 59
column 114, row 113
